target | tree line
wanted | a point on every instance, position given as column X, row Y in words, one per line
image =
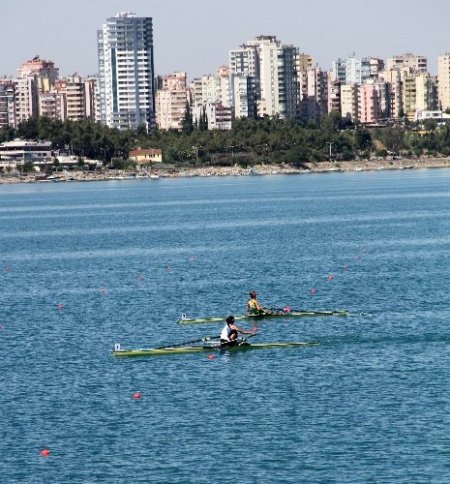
column 250, row 141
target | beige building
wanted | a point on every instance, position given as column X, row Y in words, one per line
column 171, row 101
column 408, row 62
column 349, row 102
column 146, row 156
column 33, row 77
column 444, row 81
column 77, row 99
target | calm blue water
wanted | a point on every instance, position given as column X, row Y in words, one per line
column 83, row 266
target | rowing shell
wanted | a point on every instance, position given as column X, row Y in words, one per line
column 281, row 314
column 174, row 350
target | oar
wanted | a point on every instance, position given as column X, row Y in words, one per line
column 200, row 340
column 244, row 340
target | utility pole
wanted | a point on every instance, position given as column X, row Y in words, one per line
column 330, row 143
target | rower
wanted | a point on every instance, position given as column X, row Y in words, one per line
column 230, row 331
column 253, row 306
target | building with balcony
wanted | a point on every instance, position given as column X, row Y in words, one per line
column 444, row 81
column 408, row 62
column 126, row 72
column 171, row 100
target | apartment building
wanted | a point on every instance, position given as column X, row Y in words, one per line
column 272, row 65
column 408, row 62
column 171, row 100
column 349, row 102
column 334, row 95
column 368, row 104
column 314, row 94
column 77, row 98
column 356, row 70
column 126, row 71
column 393, row 77
column 243, row 92
column 34, row 77
column 7, row 104
column 444, row 81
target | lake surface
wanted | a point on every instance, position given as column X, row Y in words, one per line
column 86, row 265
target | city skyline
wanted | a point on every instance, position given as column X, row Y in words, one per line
column 200, row 41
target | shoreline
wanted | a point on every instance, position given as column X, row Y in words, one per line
column 263, row 169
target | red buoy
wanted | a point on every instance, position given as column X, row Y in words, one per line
column 45, row 452
column 137, row 395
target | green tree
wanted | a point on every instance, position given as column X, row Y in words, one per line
column 363, row 139
column 187, row 124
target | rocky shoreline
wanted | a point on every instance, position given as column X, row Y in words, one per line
column 264, row 169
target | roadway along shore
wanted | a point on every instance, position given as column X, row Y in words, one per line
column 264, row 169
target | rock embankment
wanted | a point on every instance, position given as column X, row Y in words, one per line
column 264, row 169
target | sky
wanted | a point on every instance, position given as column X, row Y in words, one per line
column 195, row 36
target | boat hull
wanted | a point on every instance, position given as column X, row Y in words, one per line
column 212, row 348
column 292, row 314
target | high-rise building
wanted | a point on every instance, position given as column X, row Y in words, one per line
column 7, row 104
column 356, row 70
column 349, row 102
column 34, row 78
column 77, row 98
column 126, row 71
column 393, row 77
column 171, row 101
column 444, row 81
column 273, row 68
column 408, row 62
column 314, row 94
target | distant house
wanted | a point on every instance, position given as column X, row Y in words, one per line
column 146, row 156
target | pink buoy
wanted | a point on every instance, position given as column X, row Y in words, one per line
column 211, row 357
column 330, row 277
column 45, row 452
column 137, row 395
column 313, row 290
column 60, row 306
column 287, row 309
column 141, row 277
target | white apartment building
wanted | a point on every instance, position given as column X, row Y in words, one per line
column 212, row 89
column 356, row 70
column 218, row 116
column 273, row 68
column 444, row 81
column 243, row 96
column 126, row 71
